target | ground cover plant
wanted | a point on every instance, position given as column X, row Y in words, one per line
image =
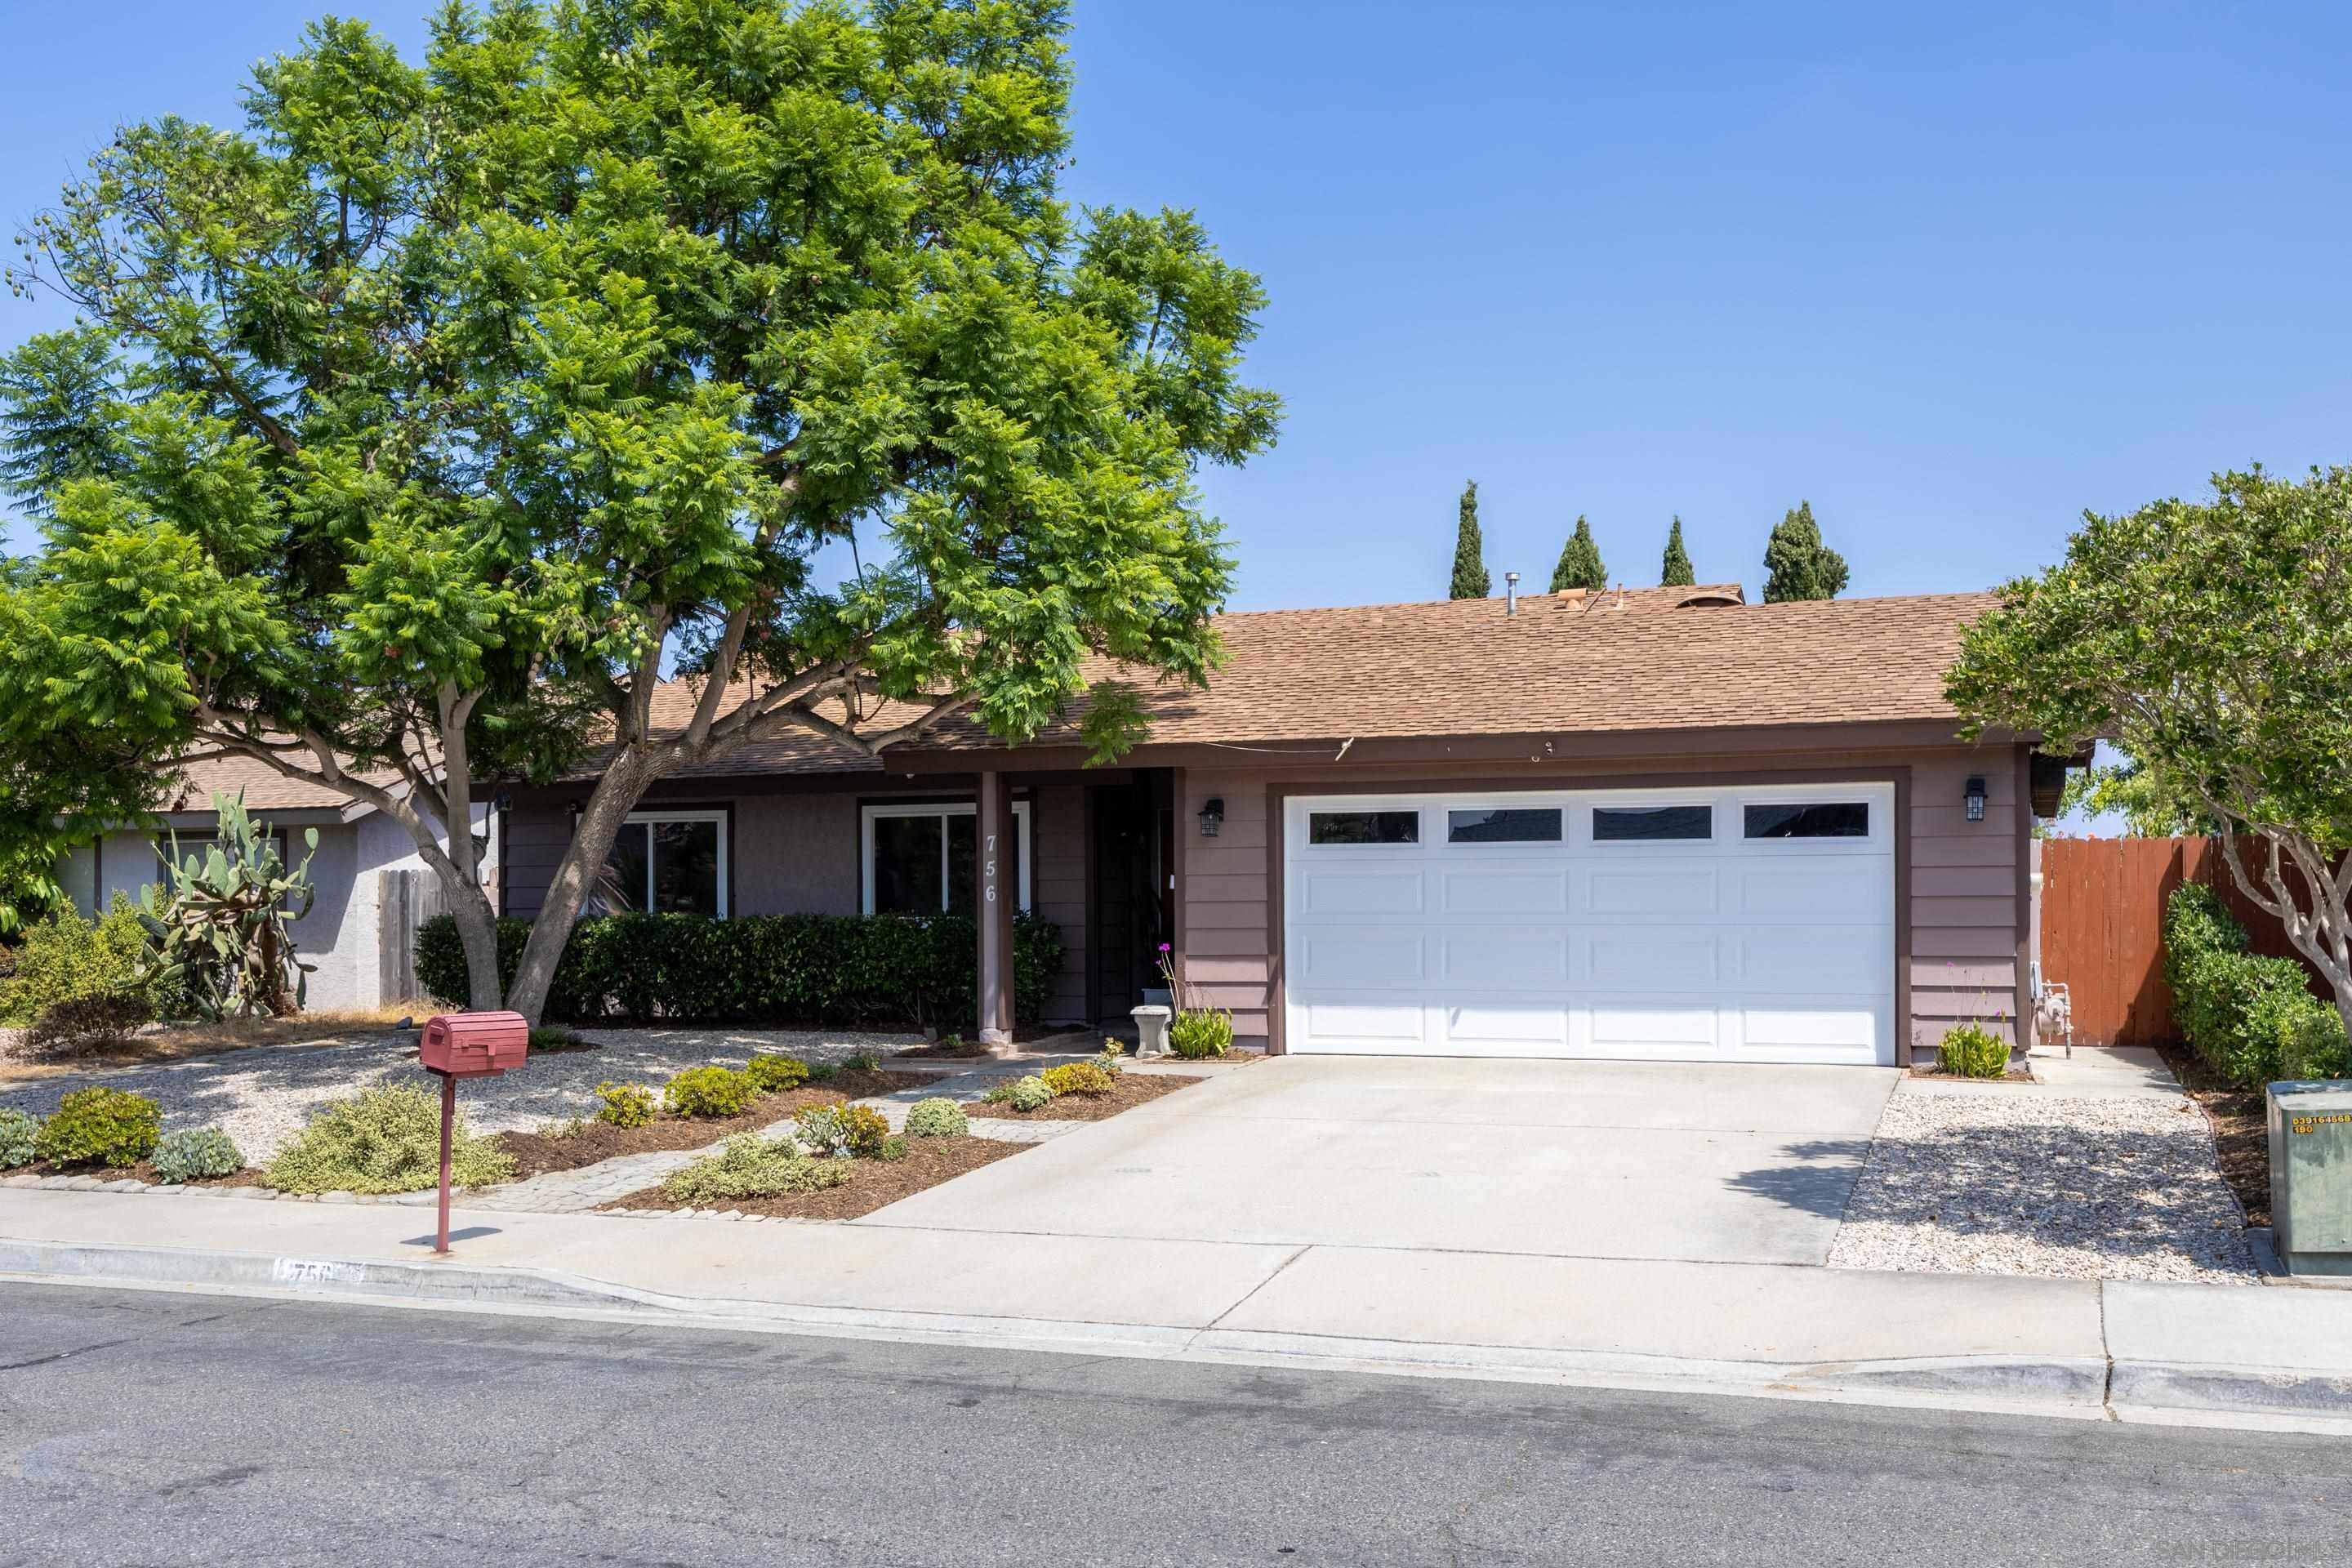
column 101, row 1126
column 1971, row 1051
column 382, row 1140
column 750, row 1166
column 196, row 1153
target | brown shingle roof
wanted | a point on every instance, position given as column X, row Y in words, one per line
column 1631, row 661
column 194, row 783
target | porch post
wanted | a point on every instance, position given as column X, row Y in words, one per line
column 997, row 864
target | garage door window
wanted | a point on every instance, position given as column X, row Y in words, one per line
column 1510, row 824
column 1827, row 819
column 1651, row 823
column 1363, row 827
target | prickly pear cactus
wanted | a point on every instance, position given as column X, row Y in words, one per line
column 219, row 934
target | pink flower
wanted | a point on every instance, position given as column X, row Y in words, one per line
column 1167, row 947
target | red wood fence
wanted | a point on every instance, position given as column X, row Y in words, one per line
column 2103, row 927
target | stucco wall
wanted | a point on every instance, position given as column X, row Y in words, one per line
column 1965, row 900
column 342, row 934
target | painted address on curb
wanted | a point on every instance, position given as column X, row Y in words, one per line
column 316, row 1272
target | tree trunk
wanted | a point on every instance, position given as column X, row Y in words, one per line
column 616, row 794
column 478, row 928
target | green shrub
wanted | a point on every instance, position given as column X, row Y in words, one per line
column 194, row 1154
column 65, row 958
column 937, row 1118
column 100, row 1126
column 1971, row 1051
column 709, row 1091
column 823, row 1072
column 1110, row 1058
column 1199, row 1034
column 2251, row 1019
column 772, row 1074
column 624, row 1104
column 1031, row 1094
column 841, row 1128
column 90, row 1022
column 556, row 1037
column 861, row 1061
column 893, row 1148
column 383, row 1140
column 750, row 1166
column 19, row 1131
column 761, row 969
column 1076, row 1078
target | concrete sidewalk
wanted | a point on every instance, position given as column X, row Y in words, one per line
column 2053, row 1347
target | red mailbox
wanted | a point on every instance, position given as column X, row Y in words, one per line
column 474, row 1045
column 467, row 1045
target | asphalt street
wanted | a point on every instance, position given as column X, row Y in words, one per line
column 158, row 1428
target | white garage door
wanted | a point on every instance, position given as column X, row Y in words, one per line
column 1725, row 924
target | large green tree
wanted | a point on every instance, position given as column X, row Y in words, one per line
column 1797, row 564
column 1580, row 562
column 1470, row 579
column 2212, row 642
column 1674, row 569
column 424, row 420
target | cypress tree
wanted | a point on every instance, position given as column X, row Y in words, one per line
column 1797, row 564
column 1470, row 579
column 1677, row 571
column 1579, row 562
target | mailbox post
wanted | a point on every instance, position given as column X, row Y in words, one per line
column 467, row 1045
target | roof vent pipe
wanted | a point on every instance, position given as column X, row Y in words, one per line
column 1510, row 593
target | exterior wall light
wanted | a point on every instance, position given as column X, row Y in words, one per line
column 1976, row 798
column 1212, row 815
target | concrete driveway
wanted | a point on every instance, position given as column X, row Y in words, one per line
column 1629, row 1160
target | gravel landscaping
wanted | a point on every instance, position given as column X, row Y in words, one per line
column 2006, row 1183
column 262, row 1097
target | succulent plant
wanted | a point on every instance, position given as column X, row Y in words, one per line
column 219, row 935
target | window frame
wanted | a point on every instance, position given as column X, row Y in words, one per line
column 655, row 815
column 871, row 811
column 1870, row 820
column 1613, row 846
column 1418, row 842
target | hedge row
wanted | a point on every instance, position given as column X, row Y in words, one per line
column 2253, row 1019
column 761, row 968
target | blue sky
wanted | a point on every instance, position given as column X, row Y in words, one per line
column 1952, row 273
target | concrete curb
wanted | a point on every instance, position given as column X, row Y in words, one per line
column 2063, row 1386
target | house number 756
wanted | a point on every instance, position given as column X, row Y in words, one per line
column 988, row 872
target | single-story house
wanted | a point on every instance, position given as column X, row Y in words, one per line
column 1656, row 823
column 371, row 887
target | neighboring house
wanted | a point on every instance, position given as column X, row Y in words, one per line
column 1661, row 824
column 371, row 885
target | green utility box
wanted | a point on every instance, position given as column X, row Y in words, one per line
column 2311, row 1176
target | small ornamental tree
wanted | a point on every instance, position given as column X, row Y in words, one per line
column 1675, row 571
column 1797, row 564
column 1470, row 579
column 423, row 422
column 1579, row 562
column 2212, row 642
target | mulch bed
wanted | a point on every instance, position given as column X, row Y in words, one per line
column 873, row 1183
column 971, row 1050
column 2241, row 1141
column 142, row 1172
column 1127, row 1091
column 536, row 1154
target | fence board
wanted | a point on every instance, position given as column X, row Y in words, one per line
column 2102, row 928
column 404, row 900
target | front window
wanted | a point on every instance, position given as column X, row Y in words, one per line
column 923, row 860
column 666, row 863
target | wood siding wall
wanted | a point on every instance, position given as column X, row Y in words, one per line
column 1967, row 899
column 2102, row 928
column 1059, row 890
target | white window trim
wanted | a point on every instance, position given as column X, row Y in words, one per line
column 660, row 816
column 868, row 815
